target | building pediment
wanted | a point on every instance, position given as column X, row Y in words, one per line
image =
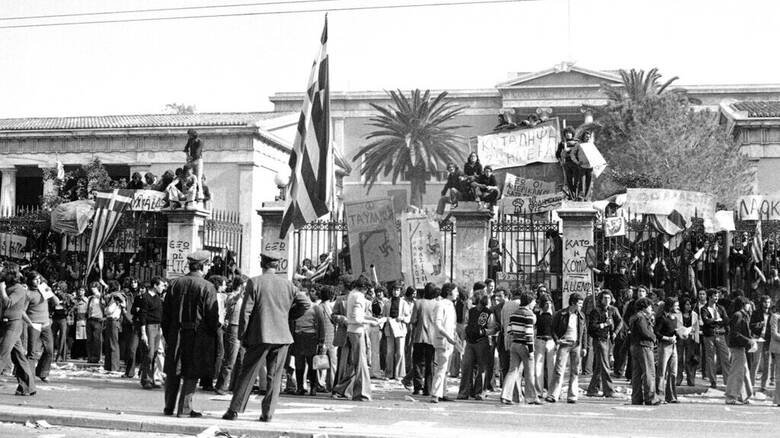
column 565, row 74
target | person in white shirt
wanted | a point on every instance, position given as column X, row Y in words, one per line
column 355, row 382
column 444, row 340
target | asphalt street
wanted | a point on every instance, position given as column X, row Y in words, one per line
column 393, row 412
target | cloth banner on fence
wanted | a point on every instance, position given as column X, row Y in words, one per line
column 125, row 241
column 12, row 245
column 663, row 202
column 763, row 207
column 72, row 218
column 373, row 238
column 519, row 186
column 147, row 200
column 614, row 226
column 523, row 205
column 520, row 147
column 422, row 255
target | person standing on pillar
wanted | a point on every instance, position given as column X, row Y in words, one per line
column 270, row 302
column 564, row 155
column 194, row 151
column 189, row 325
column 13, row 300
column 603, row 323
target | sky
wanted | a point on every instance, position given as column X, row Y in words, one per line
column 235, row 63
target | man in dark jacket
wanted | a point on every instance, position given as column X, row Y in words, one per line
column 451, row 192
column 569, row 329
column 270, row 302
column 189, row 325
column 423, row 327
column 486, row 187
column 714, row 322
column 642, row 338
column 739, row 388
column 603, row 323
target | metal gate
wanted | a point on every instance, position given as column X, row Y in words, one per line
column 525, row 251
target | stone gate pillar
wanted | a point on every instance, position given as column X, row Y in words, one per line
column 185, row 235
column 577, row 220
column 271, row 215
column 472, row 229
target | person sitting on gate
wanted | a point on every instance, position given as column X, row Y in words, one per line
column 486, row 187
column 453, row 190
column 182, row 188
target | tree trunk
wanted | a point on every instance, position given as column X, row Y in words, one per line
column 417, row 190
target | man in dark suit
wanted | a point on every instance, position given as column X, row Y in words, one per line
column 423, row 323
column 270, row 301
column 189, row 325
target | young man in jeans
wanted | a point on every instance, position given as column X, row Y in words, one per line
column 521, row 351
column 569, row 334
column 444, row 340
column 603, row 324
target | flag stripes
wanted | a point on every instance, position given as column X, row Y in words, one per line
column 109, row 207
column 308, row 191
column 757, row 245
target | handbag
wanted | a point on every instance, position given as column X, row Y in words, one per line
column 321, row 362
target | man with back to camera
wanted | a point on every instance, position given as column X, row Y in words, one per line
column 270, row 301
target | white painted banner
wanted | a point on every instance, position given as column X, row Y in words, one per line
column 520, row 147
column 147, row 200
column 664, row 201
column 422, row 251
column 614, row 226
column 373, row 238
column 523, row 205
column 763, row 207
column 519, row 186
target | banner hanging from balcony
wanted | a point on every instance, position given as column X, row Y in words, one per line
column 520, row 147
column 373, row 238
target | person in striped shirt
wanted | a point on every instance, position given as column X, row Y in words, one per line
column 521, row 351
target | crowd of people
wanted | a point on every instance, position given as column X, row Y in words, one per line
column 226, row 335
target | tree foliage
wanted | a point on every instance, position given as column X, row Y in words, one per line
column 413, row 136
column 655, row 138
column 180, row 108
column 78, row 184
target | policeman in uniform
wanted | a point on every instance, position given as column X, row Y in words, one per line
column 189, row 325
column 270, row 301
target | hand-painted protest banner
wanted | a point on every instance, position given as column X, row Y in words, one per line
column 125, row 241
column 759, row 207
column 422, row 251
column 614, row 226
column 593, row 157
column 147, row 200
column 523, row 205
column 275, row 247
column 519, row 186
column 520, row 147
column 665, row 201
column 12, row 246
column 373, row 238
column 577, row 275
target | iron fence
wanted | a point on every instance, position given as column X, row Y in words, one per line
column 526, row 251
column 223, row 235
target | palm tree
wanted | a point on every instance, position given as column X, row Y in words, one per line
column 638, row 86
column 412, row 137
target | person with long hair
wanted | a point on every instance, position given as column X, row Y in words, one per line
column 688, row 356
column 114, row 303
column 666, row 333
column 13, row 298
column 232, row 344
column 95, row 314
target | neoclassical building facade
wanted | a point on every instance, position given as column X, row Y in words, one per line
column 561, row 91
